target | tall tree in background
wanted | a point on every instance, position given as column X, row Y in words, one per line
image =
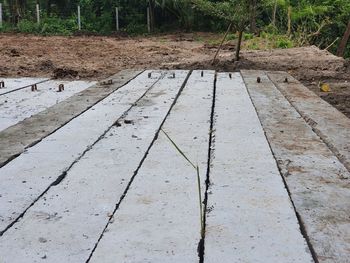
column 253, row 15
column 233, row 11
column 152, row 5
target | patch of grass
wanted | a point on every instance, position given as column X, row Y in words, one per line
column 268, row 41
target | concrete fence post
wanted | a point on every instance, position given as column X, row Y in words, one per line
column 37, row 14
column 0, row 15
column 117, row 19
column 79, row 21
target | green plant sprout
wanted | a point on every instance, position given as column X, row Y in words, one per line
column 196, row 167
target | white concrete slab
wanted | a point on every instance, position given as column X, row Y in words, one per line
column 158, row 221
column 22, row 104
column 66, row 223
column 329, row 123
column 317, row 181
column 12, row 84
column 25, row 178
column 250, row 218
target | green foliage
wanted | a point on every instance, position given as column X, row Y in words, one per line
column 136, row 29
column 27, row 26
column 284, row 43
column 268, row 40
column 317, row 22
column 48, row 26
column 57, row 26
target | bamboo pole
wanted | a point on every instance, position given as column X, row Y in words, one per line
column 222, row 42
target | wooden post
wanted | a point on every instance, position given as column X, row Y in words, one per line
column 343, row 42
column 79, row 21
column 148, row 20
column 117, row 19
column 37, row 14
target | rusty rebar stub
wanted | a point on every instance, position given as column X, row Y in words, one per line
column 34, row 87
column 60, row 88
column 258, row 79
column 107, row 82
column 2, row 84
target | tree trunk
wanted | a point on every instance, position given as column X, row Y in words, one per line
column 343, row 42
column 152, row 4
column 274, row 14
column 239, row 43
column 253, row 7
column 289, row 21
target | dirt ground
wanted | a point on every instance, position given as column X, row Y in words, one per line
column 97, row 57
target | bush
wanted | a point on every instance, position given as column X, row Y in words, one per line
column 27, row 26
column 284, row 43
column 136, row 29
column 57, row 26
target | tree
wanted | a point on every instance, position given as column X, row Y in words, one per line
column 253, row 10
column 152, row 4
column 344, row 41
column 233, row 11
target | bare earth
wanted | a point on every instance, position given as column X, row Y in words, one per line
column 99, row 57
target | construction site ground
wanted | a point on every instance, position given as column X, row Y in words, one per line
column 96, row 57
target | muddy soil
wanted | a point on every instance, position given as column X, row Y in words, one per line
column 96, row 57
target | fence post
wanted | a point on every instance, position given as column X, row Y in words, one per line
column 117, row 19
column 79, row 21
column 148, row 20
column 0, row 15
column 37, row 14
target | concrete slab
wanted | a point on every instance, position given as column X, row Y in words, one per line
column 77, row 186
column 318, row 183
column 22, row 104
column 251, row 218
column 27, row 177
column 15, row 139
column 158, row 221
column 84, row 201
column 328, row 123
column 14, row 84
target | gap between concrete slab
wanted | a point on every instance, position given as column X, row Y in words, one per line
column 301, row 224
column 36, row 83
column 64, row 173
column 201, row 244
column 16, row 137
column 342, row 159
column 139, row 166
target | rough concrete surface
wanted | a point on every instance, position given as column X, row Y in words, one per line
column 90, row 177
